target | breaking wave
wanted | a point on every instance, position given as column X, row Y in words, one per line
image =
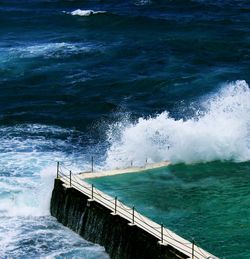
column 27, row 171
column 28, row 166
column 220, row 130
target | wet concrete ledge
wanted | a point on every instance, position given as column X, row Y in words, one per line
column 95, row 223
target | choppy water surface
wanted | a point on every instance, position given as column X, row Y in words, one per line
column 124, row 81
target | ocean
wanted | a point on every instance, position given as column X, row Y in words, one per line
column 125, row 81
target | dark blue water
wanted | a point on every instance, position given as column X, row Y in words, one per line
column 123, row 82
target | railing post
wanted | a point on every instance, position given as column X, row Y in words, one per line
column 193, row 249
column 70, row 177
column 161, row 232
column 133, row 215
column 57, row 170
column 92, row 164
column 115, row 203
column 92, row 191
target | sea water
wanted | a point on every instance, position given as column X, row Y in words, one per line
column 122, row 81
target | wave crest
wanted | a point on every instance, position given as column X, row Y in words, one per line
column 220, row 132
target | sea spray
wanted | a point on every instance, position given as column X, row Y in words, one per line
column 219, row 131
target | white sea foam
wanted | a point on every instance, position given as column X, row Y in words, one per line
column 28, row 168
column 55, row 50
column 80, row 12
column 220, row 132
column 30, row 237
column 27, row 186
column 27, row 196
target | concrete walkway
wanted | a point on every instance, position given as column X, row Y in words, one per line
column 129, row 170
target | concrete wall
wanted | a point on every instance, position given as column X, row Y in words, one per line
column 95, row 223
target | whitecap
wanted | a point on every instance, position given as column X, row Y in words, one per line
column 80, row 12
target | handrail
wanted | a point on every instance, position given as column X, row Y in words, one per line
column 164, row 235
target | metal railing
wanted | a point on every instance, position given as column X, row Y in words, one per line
column 92, row 164
column 164, row 235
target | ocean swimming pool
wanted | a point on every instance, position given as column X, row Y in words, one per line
column 205, row 202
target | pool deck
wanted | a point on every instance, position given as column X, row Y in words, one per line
column 129, row 170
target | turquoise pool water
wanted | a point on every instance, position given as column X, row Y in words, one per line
column 208, row 202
